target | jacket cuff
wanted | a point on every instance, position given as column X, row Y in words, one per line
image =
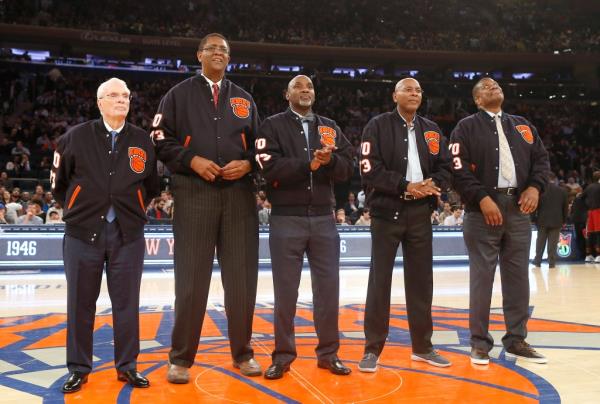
column 186, row 158
column 480, row 195
column 540, row 187
column 402, row 186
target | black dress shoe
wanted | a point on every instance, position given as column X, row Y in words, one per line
column 276, row 371
column 335, row 366
column 133, row 377
column 74, row 382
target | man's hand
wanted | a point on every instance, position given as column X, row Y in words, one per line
column 491, row 212
column 528, row 201
column 323, row 156
column 236, row 169
column 423, row 189
column 205, row 168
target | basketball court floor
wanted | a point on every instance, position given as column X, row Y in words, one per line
column 564, row 325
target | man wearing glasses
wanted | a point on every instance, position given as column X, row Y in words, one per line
column 204, row 132
column 104, row 175
column 404, row 166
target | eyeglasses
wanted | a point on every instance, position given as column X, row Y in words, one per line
column 213, row 49
column 114, row 96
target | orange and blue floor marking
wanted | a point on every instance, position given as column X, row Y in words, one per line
column 32, row 360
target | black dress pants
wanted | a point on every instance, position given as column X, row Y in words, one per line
column 411, row 226
column 84, row 264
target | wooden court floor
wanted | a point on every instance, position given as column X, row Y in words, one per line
column 564, row 325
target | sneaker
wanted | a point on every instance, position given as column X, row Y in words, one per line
column 178, row 374
column 479, row 357
column 368, row 363
column 522, row 350
column 597, row 260
column 432, row 357
column 589, row 258
column 248, row 368
column 537, row 264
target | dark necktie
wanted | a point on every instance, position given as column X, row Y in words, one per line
column 215, row 88
column 111, row 215
column 114, row 135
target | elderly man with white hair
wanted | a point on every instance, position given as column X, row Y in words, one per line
column 104, row 175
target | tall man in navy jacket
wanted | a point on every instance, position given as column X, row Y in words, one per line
column 204, row 132
column 104, row 174
column 500, row 167
column 301, row 155
column 404, row 165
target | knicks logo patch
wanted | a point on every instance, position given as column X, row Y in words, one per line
column 240, row 107
column 526, row 133
column 433, row 142
column 327, row 135
column 137, row 159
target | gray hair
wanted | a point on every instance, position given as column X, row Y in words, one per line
column 102, row 87
column 401, row 82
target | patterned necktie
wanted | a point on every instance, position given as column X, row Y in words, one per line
column 507, row 163
column 215, row 88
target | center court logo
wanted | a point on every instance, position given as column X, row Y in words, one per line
column 32, row 359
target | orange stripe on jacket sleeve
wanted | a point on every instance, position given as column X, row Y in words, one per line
column 74, row 196
column 244, row 141
column 187, row 141
column 141, row 200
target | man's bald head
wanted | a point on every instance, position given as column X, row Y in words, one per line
column 295, row 79
column 300, row 94
column 407, row 96
column 409, row 81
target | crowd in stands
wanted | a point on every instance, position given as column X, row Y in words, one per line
column 38, row 107
column 476, row 25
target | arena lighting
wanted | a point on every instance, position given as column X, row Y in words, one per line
column 344, row 70
column 282, row 68
column 405, row 73
column 240, row 66
column 34, row 55
column 522, row 76
column 466, row 75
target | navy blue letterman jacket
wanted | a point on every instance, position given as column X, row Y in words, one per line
column 476, row 159
column 284, row 157
column 384, row 160
column 187, row 124
column 88, row 177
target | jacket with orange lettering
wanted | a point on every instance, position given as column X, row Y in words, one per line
column 284, row 158
column 87, row 177
column 475, row 156
column 187, row 124
column 384, row 159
